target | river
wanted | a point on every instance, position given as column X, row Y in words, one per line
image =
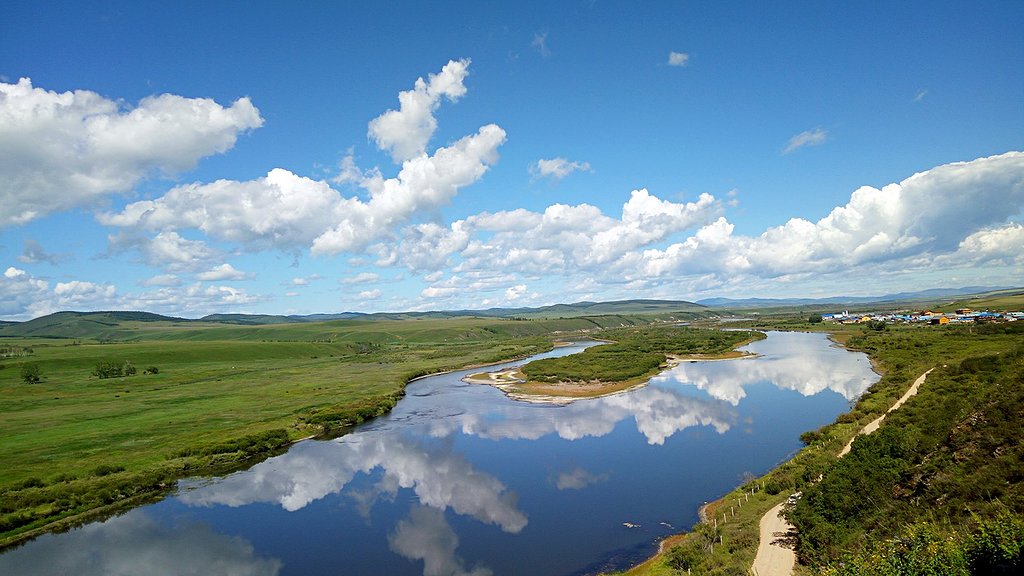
column 459, row 480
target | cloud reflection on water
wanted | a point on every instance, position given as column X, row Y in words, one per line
column 658, row 413
column 426, row 536
column 440, row 477
column 578, row 479
column 789, row 362
column 135, row 543
column 311, row 470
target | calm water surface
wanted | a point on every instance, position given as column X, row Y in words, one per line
column 459, row 480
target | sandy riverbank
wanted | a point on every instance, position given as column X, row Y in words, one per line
column 514, row 384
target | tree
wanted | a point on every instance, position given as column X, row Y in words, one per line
column 877, row 325
column 108, row 369
column 814, row 318
column 31, row 373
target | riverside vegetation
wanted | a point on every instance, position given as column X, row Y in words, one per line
column 89, row 437
column 937, row 490
column 634, row 353
column 630, row 358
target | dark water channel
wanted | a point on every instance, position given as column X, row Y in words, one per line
column 459, row 480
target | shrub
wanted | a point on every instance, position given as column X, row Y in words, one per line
column 32, row 482
column 113, row 369
column 108, row 369
column 30, row 373
column 686, row 556
column 106, row 470
column 877, row 325
column 998, row 546
column 810, row 437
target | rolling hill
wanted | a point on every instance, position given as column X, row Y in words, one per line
column 115, row 325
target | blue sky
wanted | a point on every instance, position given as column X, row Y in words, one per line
column 258, row 157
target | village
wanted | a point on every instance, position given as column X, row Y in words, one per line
column 959, row 316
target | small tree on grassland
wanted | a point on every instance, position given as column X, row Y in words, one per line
column 108, row 369
column 31, row 373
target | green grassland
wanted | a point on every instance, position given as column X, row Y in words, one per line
column 222, row 394
column 943, row 473
column 1003, row 300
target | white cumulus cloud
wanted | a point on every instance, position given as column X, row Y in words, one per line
column 404, row 133
column 65, row 150
column 954, row 207
column 290, row 212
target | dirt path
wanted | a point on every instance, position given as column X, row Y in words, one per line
column 774, row 559
column 874, row 424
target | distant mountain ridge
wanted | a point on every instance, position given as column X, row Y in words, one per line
column 80, row 324
column 896, row 297
column 112, row 324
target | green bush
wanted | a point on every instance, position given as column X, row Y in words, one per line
column 31, row 373
column 108, row 369
column 113, row 369
column 994, row 547
column 106, row 470
column 689, row 555
column 998, row 546
column 249, row 445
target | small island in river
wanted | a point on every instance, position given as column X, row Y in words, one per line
column 629, row 358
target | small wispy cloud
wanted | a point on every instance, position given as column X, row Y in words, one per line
column 556, row 168
column 361, row 278
column 35, row 253
column 678, row 59
column 815, row 137
column 920, row 94
column 369, row 294
column 223, row 272
column 540, row 43
column 578, row 479
column 165, row 280
column 305, row 280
